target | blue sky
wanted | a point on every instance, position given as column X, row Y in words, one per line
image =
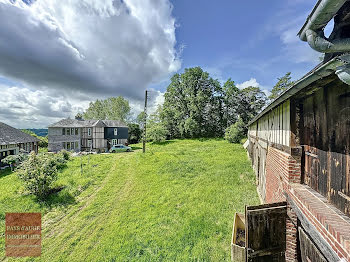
column 244, row 39
column 57, row 55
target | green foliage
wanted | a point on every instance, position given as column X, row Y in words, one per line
column 65, row 154
column 38, row 173
column 235, row 132
column 15, row 160
column 157, row 133
column 113, row 108
column 196, row 96
column 156, row 130
column 251, row 101
column 43, row 140
column 197, row 106
column 282, row 85
column 135, row 133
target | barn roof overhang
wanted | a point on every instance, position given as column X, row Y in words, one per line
column 321, row 71
column 312, row 32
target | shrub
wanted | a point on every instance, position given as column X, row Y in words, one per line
column 65, row 154
column 15, row 160
column 157, row 133
column 235, row 132
column 38, row 174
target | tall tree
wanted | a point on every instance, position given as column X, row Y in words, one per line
column 283, row 84
column 251, row 101
column 193, row 105
column 230, row 103
column 113, row 108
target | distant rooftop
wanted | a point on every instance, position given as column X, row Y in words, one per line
column 88, row 123
column 11, row 135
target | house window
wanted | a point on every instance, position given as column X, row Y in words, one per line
column 72, row 145
column 64, row 145
column 76, row 145
column 68, row 146
column 72, row 131
column 89, row 143
column 76, row 132
column 114, row 142
column 63, row 131
column 89, row 131
column 115, row 131
column 68, row 132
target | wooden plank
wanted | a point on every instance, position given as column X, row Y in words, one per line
column 320, row 242
column 266, row 232
column 309, row 252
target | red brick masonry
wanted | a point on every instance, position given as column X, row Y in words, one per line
column 283, row 174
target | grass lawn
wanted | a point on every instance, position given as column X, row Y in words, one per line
column 174, row 203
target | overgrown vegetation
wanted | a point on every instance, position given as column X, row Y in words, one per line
column 236, row 132
column 174, row 203
column 38, row 172
column 43, row 140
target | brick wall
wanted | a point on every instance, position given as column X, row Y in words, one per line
column 282, row 169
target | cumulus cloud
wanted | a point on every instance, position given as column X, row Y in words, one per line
column 26, row 108
column 254, row 83
column 98, row 48
column 251, row 82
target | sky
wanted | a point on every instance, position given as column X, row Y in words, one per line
column 57, row 55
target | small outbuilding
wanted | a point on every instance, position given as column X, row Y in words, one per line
column 13, row 140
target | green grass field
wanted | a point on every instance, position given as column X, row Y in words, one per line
column 174, row 203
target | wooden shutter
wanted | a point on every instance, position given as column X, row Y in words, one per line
column 266, row 232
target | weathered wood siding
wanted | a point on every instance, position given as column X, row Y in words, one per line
column 324, row 130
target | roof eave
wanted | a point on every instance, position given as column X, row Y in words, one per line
column 323, row 71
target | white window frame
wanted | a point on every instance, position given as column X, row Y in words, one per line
column 89, row 131
column 114, row 142
column 89, row 143
column 115, row 131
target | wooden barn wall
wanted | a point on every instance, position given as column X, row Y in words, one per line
column 325, row 136
column 272, row 129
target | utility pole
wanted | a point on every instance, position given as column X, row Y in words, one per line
column 144, row 124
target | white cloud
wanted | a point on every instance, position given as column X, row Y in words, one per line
column 26, row 108
column 251, row 82
column 254, row 83
column 101, row 48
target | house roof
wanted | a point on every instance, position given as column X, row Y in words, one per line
column 88, row 123
column 11, row 135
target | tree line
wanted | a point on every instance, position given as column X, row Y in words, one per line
column 196, row 105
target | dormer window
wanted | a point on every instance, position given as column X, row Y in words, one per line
column 89, row 131
column 115, row 131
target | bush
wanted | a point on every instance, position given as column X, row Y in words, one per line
column 157, row 133
column 15, row 160
column 235, row 132
column 38, row 173
column 65, row 154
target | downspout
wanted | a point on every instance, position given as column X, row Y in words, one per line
column 313, row 33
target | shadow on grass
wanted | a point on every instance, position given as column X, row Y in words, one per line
column 5, row 172
column 163, row 143
column 135, row 147
column 58, row 197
